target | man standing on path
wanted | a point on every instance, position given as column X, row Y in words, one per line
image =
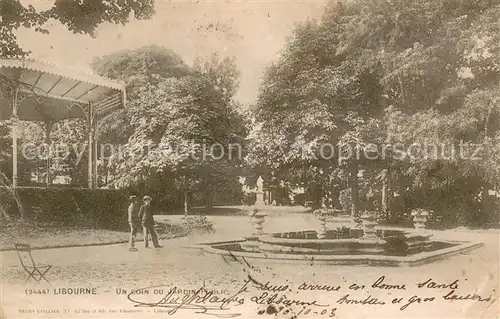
column 133, row 221
column 148, row 223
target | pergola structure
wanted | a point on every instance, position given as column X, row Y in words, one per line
column 35, row 91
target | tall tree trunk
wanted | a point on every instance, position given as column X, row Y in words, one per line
column 390, row 194
column 353, row 182
column 318, row 196
column 486, row 184
column 209, row 200
column 385, row 192
column 106, row 175
column 402, row 192
column 336, row 197
column 486, row 205
column 185, row 201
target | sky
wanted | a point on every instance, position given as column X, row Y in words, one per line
column 252, row 31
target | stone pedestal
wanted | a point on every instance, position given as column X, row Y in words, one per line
column 369, row 222
column 419, row 222
column 321, row 233
column 259, row 201
column 356, row 222
column 251, row 244
column 322, row 215
column 418, row 242
column 420, row 218
column 258, row 220
column 371, row 243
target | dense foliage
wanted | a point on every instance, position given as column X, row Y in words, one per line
column 379, row 105
column 78, row 16
column 179, row 126
column 387, row 73
column 68, row 206
column 5, row 143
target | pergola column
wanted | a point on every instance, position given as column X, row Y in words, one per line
column 90, row 129
column 95, row 153
column 15, row 122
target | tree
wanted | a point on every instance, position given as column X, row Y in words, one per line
column 312, row 98
column 440, row 71
column 68, row 151
column 221, row 72
column 78, row 16
column 447, row 82
column 5, row 155
column 431, row 65
column 5, row 142
column 176, row 115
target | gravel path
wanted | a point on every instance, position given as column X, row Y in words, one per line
column 108, row 268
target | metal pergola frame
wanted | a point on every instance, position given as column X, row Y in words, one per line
column 42, row 92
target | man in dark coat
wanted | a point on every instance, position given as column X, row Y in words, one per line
column 148, row 223
column 133, row 220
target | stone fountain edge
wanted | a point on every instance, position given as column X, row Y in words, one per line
column 370, row 260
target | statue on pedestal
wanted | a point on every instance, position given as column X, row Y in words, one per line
column 260, row 184
column 260, row 192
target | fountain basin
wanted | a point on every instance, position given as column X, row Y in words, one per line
column 323, row 246
column 393, row 248
column 232, row 250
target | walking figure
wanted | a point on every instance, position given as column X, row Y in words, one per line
column 133, row 221
column 148, row 223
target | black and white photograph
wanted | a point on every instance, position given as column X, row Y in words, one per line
column 249, row 159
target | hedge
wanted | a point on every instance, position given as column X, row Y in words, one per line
column 99, row 208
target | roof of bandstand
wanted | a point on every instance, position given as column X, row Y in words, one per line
column 50, row 93
column 36, row 91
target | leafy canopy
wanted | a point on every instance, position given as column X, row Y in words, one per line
column 79, row 16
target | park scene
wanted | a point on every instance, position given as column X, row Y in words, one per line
column 298, row 160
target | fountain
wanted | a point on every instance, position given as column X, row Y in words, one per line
column 420, row 239
column 257, row 218
column 352, row 245
column 321, row 215
column 369, row 223
column 420, row 218
column 370, row 239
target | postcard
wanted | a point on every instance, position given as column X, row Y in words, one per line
column 249, row 159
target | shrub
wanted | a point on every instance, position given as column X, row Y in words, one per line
column 100, row 208
column 249, row 198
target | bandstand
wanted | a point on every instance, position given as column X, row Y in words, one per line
column 40, row 92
